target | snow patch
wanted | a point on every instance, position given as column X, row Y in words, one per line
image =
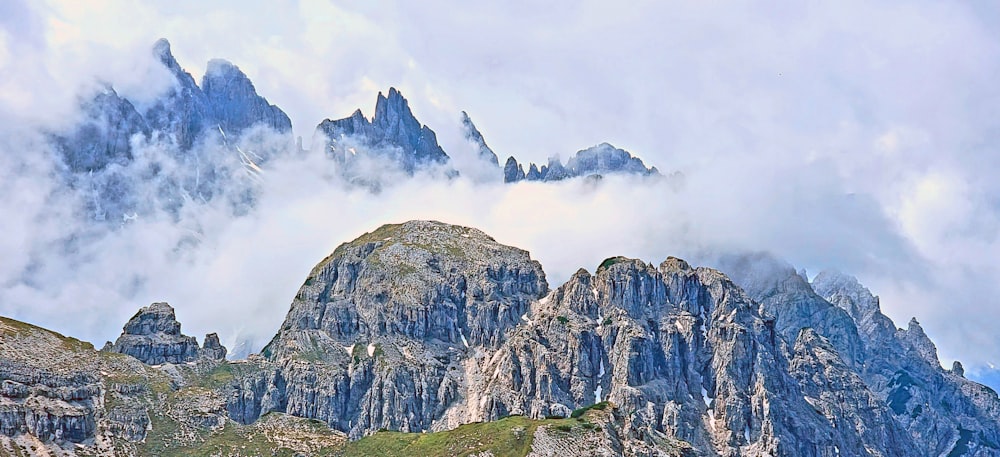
column 704, row 396
column 599, row 390
column 464, row 341
column 371, row 349
column 350, row 349
column 746, row 433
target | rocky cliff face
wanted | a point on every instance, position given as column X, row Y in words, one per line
column 234, row 101
column 98, row 157
column 393, row 135
column 104, row 137
column 473, row 135
column 690, row 360
column 943, row 411
column 154, row 337
column 425, row 326
column 384, row 324
column 58, row 395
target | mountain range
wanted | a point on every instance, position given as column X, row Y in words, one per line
column 424, row 338
column 428, row 327
column 201, row 128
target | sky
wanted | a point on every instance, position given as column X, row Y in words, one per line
column 853, row 135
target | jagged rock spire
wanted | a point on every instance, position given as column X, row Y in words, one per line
column 153, row 335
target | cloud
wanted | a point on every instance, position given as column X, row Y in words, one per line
column 846, row 135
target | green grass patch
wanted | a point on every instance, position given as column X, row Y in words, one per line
column 579, row 412
column 510, row 436
column 607, row 263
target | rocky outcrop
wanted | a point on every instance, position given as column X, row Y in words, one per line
column 57, row 392
column 212, row 349
column 198, row 128
column 105, row 135
column 154, row 337
column 598, row 160
column 384, row 323
column 473, row 135
column 512, row 171
column 234, row 101
column 393, row 135
column 424, row 326
column 683, row 348
column 787, row 296
column 944, row 413
column 396, row 321
column 940, row 412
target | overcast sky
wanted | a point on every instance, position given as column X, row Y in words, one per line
column 853, row 135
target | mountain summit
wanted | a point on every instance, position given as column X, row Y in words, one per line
column 393, row 133
column 430, row 327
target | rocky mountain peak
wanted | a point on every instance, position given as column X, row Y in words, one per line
column 235, row 103
column 673, row 264
column 423, row 280
column 393, row 109
column 473, row 135
column 153, row 335
column 393, row 134
column 786, row 295
column 153, row 319
column 594, row 161
column 512, row 171
column 161, row 50
column 917, row 340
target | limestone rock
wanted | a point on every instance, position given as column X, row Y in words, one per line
column 154, row 337
column 597, row 160
column 512, row 171
column 234, row 102
column 212, row 348
column 472, row 134
column 393, row 134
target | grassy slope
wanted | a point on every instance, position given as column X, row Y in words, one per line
column 510, row 436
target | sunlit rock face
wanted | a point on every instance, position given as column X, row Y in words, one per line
column 414, row 318
column 425, row 326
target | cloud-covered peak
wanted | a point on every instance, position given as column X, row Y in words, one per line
column 476, row 137
column 235, row 103
column 394, row 133
column 161, row 50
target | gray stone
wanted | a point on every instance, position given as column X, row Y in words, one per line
column 154, row 337
column 393, row 134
